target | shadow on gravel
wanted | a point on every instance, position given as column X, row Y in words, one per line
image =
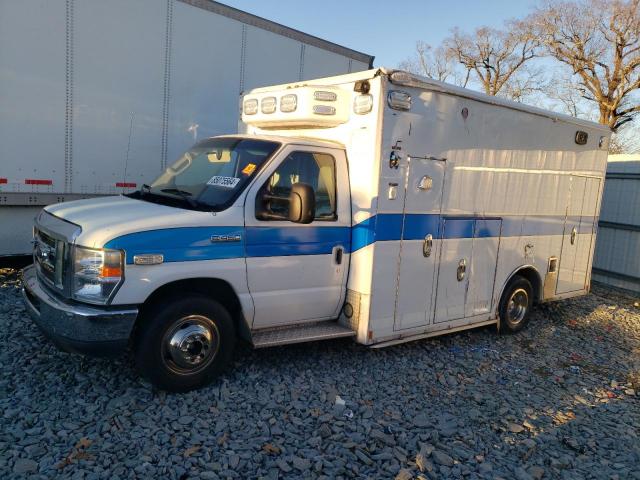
column 555, row 401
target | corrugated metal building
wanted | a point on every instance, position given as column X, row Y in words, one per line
column 617, row 256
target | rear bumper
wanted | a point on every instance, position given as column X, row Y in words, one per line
column 77, row 328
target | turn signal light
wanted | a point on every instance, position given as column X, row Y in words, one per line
column 111, row 272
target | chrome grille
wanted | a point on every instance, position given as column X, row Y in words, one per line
column 48, row 256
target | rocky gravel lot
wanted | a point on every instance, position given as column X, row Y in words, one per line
column 557, row 400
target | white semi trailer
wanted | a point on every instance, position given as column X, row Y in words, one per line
column 97, row 97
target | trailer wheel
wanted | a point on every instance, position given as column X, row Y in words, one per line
column 515, row 305
column 184, row 343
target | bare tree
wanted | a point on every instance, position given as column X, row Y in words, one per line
column 530, row 81
column 435, row 63
column 496, row 57
column 562, row 93
column 600, row 41
column 625, row 140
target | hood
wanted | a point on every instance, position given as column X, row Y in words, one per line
column 105, row 218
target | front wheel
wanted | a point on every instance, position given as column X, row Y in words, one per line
column 184, row 343
column 515, row 305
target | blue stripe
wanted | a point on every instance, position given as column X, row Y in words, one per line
column 458, row 227
column 180, row 244
column 194, row 243
column 388, row 226
column 280, row 241
column 487, row 227
column 363, row 233
column 417, row 226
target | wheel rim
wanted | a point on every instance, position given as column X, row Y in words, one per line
column 191, row 344
column 517, row 306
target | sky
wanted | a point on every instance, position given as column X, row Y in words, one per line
column 387, row 30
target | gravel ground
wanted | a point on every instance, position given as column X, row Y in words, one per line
column 557, row 400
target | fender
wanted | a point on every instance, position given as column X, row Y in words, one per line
column 532, row 274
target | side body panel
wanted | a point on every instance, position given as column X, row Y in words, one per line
column 506, row 190
column 32, row 85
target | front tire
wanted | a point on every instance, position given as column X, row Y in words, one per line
column 184, row 343
column 515, row 305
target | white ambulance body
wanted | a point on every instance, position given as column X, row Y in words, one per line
column 453, row 193
column 378, row 205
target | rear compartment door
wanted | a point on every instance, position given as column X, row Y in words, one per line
column 420, row 243
column 579, row 229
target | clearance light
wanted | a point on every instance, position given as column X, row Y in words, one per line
column 324, row 96
column 363, row 104
column 289, row 103
column 250, row 106
column 324, row 110
column 399, row 100
column 268, row 105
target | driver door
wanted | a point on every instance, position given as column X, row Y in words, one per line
column 297, row 272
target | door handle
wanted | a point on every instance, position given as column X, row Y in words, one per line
column 427, row 245
column 337, row 255
column 462, row 268
column 574, row 232
column 425, row 183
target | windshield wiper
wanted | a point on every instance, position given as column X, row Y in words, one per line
column 186, row 196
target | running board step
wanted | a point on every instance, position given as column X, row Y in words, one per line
column 309, row 332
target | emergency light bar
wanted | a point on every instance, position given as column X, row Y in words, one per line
column 300, row 107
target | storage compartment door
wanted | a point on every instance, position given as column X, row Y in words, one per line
column 484, row 258
column 455, row 264
column 419, row 248
column 568, row 280
column 586, row 232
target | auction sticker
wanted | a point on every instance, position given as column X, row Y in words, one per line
column 224, row 182
column 248, row 170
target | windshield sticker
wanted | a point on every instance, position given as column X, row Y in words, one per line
column 224, row 182
column 248, row 170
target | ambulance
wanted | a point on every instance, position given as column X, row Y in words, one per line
column 378, row 205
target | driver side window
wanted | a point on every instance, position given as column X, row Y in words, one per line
column 315, row 169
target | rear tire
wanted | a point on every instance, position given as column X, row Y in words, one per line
column 515, row 305
column 184, row 343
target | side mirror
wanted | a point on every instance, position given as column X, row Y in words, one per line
column 302, row 203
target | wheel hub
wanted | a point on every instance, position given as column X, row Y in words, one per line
column 191, row 343
column 518, row 305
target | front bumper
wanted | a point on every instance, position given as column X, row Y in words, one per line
column 74, row 327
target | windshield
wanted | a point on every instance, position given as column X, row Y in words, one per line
column 213, row 172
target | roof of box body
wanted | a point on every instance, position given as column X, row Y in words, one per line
column 401, row 78
column 283, row 30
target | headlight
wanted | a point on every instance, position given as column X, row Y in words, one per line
column 96, row 274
